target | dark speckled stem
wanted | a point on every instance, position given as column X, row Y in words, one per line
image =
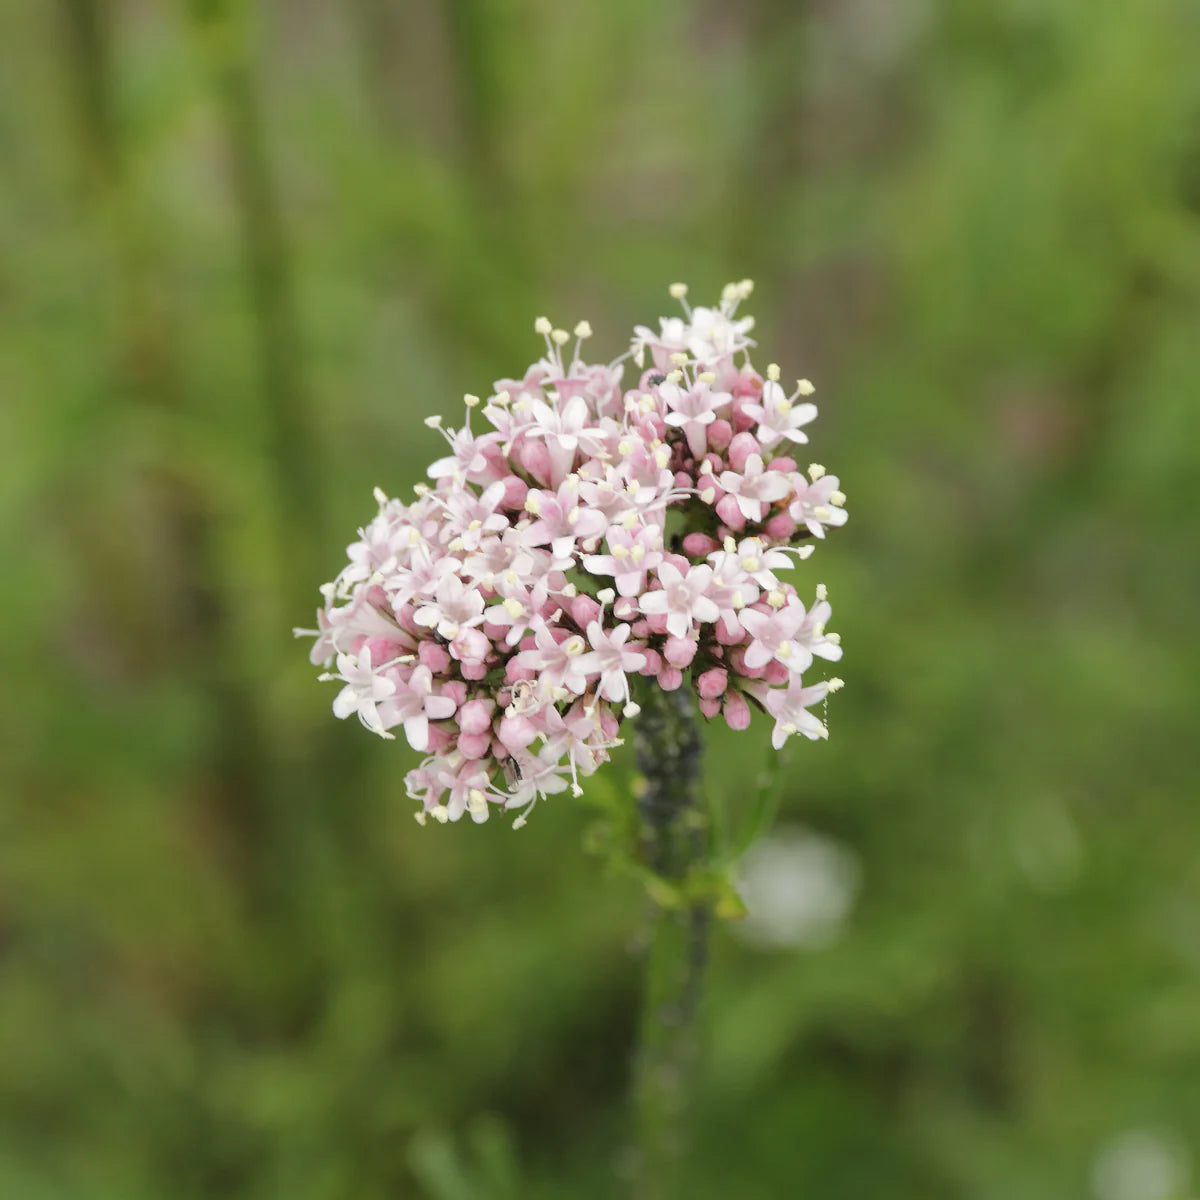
column 673, row 842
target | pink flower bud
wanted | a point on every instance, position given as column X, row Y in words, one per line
column 516, row 732
column 730, row 513
column 514, row 672
column 434, row 656
column 474, row 745
column 776, row 672
column 382, row 649
column 742, row 420
column 534, row 456
column 515, row 491
column 441, row 737
column 730, row 634
column 584, row 610
column 455, row 691
column 740, row 449
column 712, row 684
column 653, row 663
column 737, row 711
column 737, row 660
column 709, row 708
column 782, row 463
column 679, row 652
column 746, row 383
column 780, row 527
column 700, row 545
column 404, row 618
column 625, row 609
column 670, row 678
column 720, row 433
column 475, row 716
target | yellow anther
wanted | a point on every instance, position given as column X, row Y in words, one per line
column 805, row 387
column 773, row 372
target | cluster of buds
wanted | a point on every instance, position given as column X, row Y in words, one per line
column 580, row 537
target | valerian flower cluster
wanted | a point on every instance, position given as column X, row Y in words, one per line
column 578, row 535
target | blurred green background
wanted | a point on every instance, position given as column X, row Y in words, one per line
column 245, row 247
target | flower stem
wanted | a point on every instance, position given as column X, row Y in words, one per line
column 673, row 842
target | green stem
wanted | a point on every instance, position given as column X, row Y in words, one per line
column 673, row 843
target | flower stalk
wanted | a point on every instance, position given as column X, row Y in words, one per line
column 674, row 837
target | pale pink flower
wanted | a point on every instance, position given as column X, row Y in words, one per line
column 683, row 598
column 453, row 606
column 693, row 411
column 612, row 658
column 790, row 708
column 773, row 635
column 364, row 690
column 632, row 553
column 778, row 418
column 755, row 488
column 559, row 664
column 415, row 704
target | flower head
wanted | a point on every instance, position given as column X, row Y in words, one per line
column 504, row 618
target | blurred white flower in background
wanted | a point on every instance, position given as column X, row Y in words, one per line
column 799, row 888
column 1141, row 1165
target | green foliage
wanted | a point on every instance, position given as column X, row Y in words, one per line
column 245, row 247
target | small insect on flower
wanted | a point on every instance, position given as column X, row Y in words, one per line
column 503, row 617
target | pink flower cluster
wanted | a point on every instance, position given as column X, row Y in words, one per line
column 580, row 536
